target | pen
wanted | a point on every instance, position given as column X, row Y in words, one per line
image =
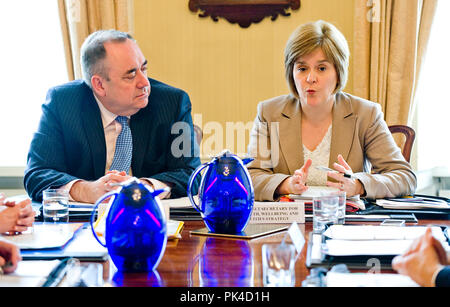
column 57, row 274
column 327, row 169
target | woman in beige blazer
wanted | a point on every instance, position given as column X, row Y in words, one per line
column 319, row 125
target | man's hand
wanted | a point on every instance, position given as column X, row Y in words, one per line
column 90, row 191
column 156, row 185
column 422, row 260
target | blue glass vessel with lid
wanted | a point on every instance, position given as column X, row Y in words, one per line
column 135, row 227
column 226, row 193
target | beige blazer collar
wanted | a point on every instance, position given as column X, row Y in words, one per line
column 291, row 145
column 290, row 137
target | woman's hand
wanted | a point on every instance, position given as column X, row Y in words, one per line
column 9, row 257
column 2, row 199
column 296, row 184
column 351, row 186
column 17, row 217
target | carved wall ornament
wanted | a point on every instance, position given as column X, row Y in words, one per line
column 243, row 12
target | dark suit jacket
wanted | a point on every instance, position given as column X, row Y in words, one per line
column 443, row 278
column 70, row 141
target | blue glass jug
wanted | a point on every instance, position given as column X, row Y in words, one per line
column 226, row 194
column 135, row 227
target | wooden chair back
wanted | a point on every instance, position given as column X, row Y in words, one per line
column 409, row 135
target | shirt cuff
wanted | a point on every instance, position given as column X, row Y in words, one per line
column 68, row 187
column 435, row 274
column 443, row 277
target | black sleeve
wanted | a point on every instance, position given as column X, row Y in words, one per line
column 443, row 278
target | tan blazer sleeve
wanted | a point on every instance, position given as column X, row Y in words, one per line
column 391, row 175
column 262, row 140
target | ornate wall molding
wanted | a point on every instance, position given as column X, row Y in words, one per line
column 243, row 12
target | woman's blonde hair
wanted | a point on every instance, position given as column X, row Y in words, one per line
column 310, row 36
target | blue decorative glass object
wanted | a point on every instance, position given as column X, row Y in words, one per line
column 135, row 228
column 217, row 268
column 226, row 194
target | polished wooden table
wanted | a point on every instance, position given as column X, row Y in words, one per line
column 203, row 261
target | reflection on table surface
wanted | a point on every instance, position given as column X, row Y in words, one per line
column 197, row 261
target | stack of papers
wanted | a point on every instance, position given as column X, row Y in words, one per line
column 413, row 203
column 182, row 209
column 182, row 202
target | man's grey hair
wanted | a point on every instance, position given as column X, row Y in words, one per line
column 93, row 52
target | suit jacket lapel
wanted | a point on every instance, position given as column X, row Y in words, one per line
column 291, row 139
column 344, row 129
column 95, row 135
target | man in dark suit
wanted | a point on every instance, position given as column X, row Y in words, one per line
column 83, row 145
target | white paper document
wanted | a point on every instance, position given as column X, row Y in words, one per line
column 404, row 204
column 371, row 232
column 347, row 240
column 366, row 248
column 28, row 274
column 334, row 279
column 42, row 236
column 316, row 191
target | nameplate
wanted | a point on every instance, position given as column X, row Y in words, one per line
column 278, row 212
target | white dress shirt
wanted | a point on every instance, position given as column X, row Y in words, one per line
column 112, row 129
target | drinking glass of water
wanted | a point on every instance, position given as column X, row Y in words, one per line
column 278, row 265
column 55, row 205
column 325, row 211
column 342, row 206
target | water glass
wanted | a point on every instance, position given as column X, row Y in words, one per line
column 55, row 205
column 325, row 212
column 341, row 206
column 278, row 265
